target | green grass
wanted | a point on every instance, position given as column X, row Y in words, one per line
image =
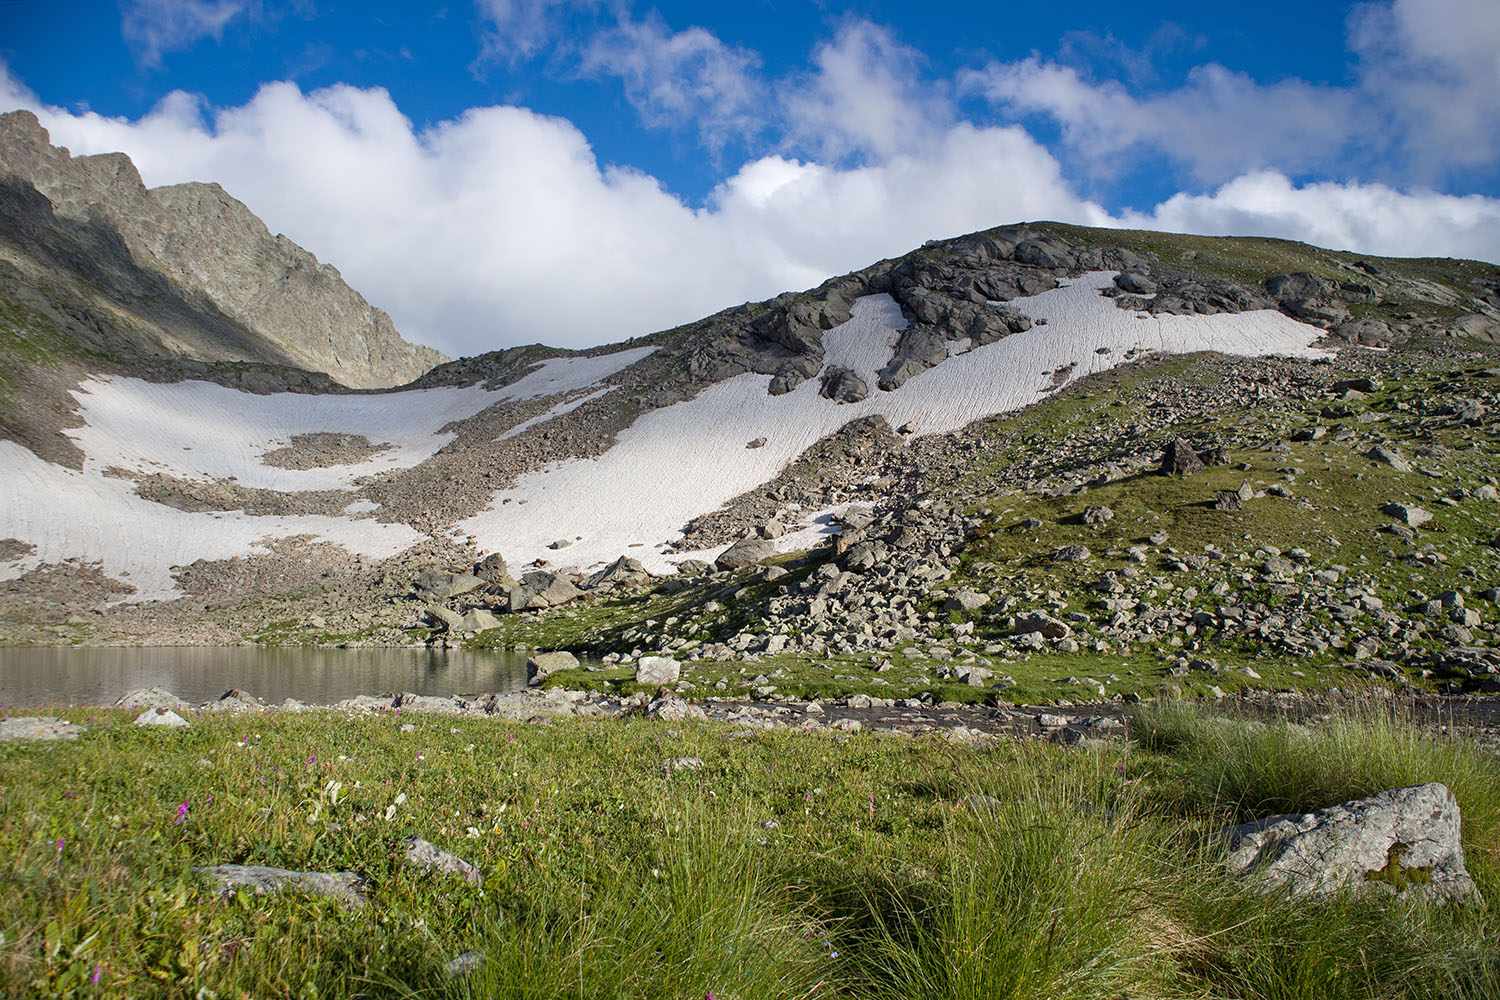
column 788, row 866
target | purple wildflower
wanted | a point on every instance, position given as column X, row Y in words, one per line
column 182, row 812
column 98, row 975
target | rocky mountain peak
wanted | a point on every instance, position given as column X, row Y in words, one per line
column 211, row 246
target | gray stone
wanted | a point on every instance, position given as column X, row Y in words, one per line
column 1408, row 514
column 1389, row 456
column 543, row 590
column 1179, row 459
column 745, row 552
column 843, row 386
column 152, row 697
column 428, row 857
column 540, row 666
column 1071, row 554
column 37, row 727
column 1403, row 841
column 657, row 671
column 623, row 572
column 347, row 887
column 163, row 717
column 1044, row 625
column 1135, row 284
column 1095, row 514
column 965, row 600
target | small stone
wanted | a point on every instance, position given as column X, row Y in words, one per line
column 657, row 671
column 1408, row 514
column 426, row 856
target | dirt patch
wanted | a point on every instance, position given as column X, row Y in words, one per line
column 323, row 451
column 12, row 549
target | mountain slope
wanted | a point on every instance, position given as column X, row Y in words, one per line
column 181, row 271
column 924, row 426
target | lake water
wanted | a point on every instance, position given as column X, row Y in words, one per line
column 97, row 676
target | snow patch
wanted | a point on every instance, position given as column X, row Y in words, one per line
column 676, row 463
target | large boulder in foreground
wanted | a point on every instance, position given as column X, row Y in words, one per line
column 1403, row 841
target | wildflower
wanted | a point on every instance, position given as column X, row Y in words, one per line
column 312, row 760
column 182, row 812
column 98, row 975
column 60, row 842
column 1120, row 768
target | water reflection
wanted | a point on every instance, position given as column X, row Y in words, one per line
column 38, row 676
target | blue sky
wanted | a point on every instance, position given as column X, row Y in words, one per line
column 577, row 171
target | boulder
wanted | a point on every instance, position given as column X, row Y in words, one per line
column 477, row 620
column 492, row 570
column 445, row 617
column 657, row 671
column 540, row 666
column 965, row 600
column 1408, row 514
column 542, row 590
column 1404, row 841
column 429, row 857
column 347, row 887
column 1135, row 284
column 152, row 697
column 623, row 572
column 37, row 727
column 234, row 700
column 1179, row 459
column 695, row 567
column 1044, row 625
column 745, row 552
column 161, row 716
column 842, row 386
column 1389, row 456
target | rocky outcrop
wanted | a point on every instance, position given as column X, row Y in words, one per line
column 274, row 301
column 1404, row 841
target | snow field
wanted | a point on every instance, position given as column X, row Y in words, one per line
column 676, row 463
column 198, row 430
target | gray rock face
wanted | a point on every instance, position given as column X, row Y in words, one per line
column 657, row 671
column 540, row 666
column 37, row 727
column 429, row 857
column 745, row 553
column 347, row 887
column 1135, row 284
column 209, row 245
column 1402, row 841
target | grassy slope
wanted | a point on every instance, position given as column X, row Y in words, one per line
column 1334, row 515
column 788, row 866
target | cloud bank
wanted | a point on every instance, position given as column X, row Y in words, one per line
column 501, row 226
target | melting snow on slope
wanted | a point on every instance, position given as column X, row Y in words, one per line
column 676, row 463
column 199, row 430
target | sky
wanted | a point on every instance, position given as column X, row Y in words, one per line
column 575, row 172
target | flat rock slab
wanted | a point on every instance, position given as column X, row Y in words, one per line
column 38, row 727
column 1403, row 841
column 347, row 887
column 426, row 856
